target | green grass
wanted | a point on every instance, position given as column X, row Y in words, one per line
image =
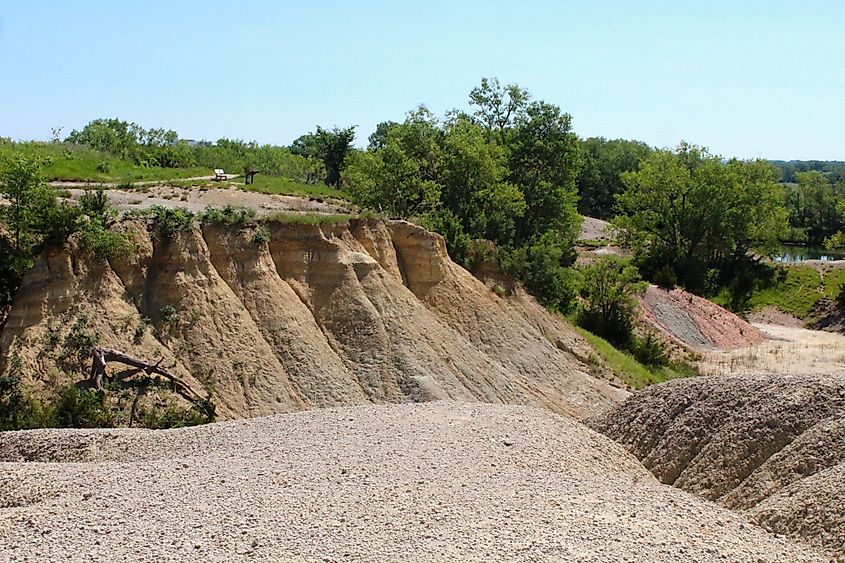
column 796, row 294
column 832, row 280
column 307, row 219
column 285, row 186
column 625, row 367
column 74, row 163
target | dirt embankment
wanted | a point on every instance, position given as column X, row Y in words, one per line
column 771, row 447
column 694, row 322
column 434, row 482
column 341, row 314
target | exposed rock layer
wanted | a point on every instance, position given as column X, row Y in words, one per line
column 339, row 314
column 694, row 322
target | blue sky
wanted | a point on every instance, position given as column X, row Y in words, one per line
column 747, row 78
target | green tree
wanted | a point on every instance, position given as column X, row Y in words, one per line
column 816, row 201
column 401, row 177
column 332, row 147
column 475, row 189
column 32, row 217
column 688, row 211
column 544, row 160
column 600, row 179
column 114, row 136
column 498, row 107
column 608, row 308
column 505, row 174
column 33, row 214
column 543, row 266
column 378, row 140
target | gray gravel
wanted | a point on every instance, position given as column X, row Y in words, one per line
column 429, row 482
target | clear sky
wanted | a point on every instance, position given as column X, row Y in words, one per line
column 747, row 78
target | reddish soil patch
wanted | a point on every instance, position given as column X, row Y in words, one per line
column 695, row 322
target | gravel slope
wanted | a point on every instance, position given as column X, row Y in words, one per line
column 772, row 446
column 437, row 481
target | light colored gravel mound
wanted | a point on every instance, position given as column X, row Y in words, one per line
column 596, row 229
column 773, row 446
column 437, row 481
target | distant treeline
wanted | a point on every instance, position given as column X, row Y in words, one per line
column 833, row 170
column 163, row 148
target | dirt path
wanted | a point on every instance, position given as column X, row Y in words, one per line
column 196, row 200
column 84, row 184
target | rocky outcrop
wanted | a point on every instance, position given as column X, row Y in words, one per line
column 693, row 322
column 319, row 316
column 772, row 447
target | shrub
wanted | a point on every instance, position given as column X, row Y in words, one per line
column 665, row 277
column 169, row 315
column 95, row 204
column 170, row 221
column 261, row 235
column 77, row 345
column 173, row 416
column 17, row 409
column 230, row 214
column 835, row 241
column 650, row 351
column 608, row 309
column 103, row 167
column 82, row 408
column 542, row 267
column 104, row 242
column 126, row 184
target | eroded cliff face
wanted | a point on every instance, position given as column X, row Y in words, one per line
column 320, row 316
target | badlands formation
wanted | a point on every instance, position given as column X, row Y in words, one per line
column 439, row 420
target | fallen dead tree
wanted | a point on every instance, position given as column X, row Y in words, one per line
column 101, row 356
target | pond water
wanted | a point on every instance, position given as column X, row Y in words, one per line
column 789, row 253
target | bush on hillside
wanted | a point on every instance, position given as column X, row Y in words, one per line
column 608, row 308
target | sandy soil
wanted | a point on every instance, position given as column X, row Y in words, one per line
column 786, row 350
column 434, row 482
column 773, row 316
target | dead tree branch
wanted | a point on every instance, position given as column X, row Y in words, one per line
column 101, row 356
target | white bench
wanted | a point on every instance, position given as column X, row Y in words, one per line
column 219, row 174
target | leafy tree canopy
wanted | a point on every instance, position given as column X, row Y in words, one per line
column 331, row 147
column 505, row 173
column 688, row 211
column 600, row 178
